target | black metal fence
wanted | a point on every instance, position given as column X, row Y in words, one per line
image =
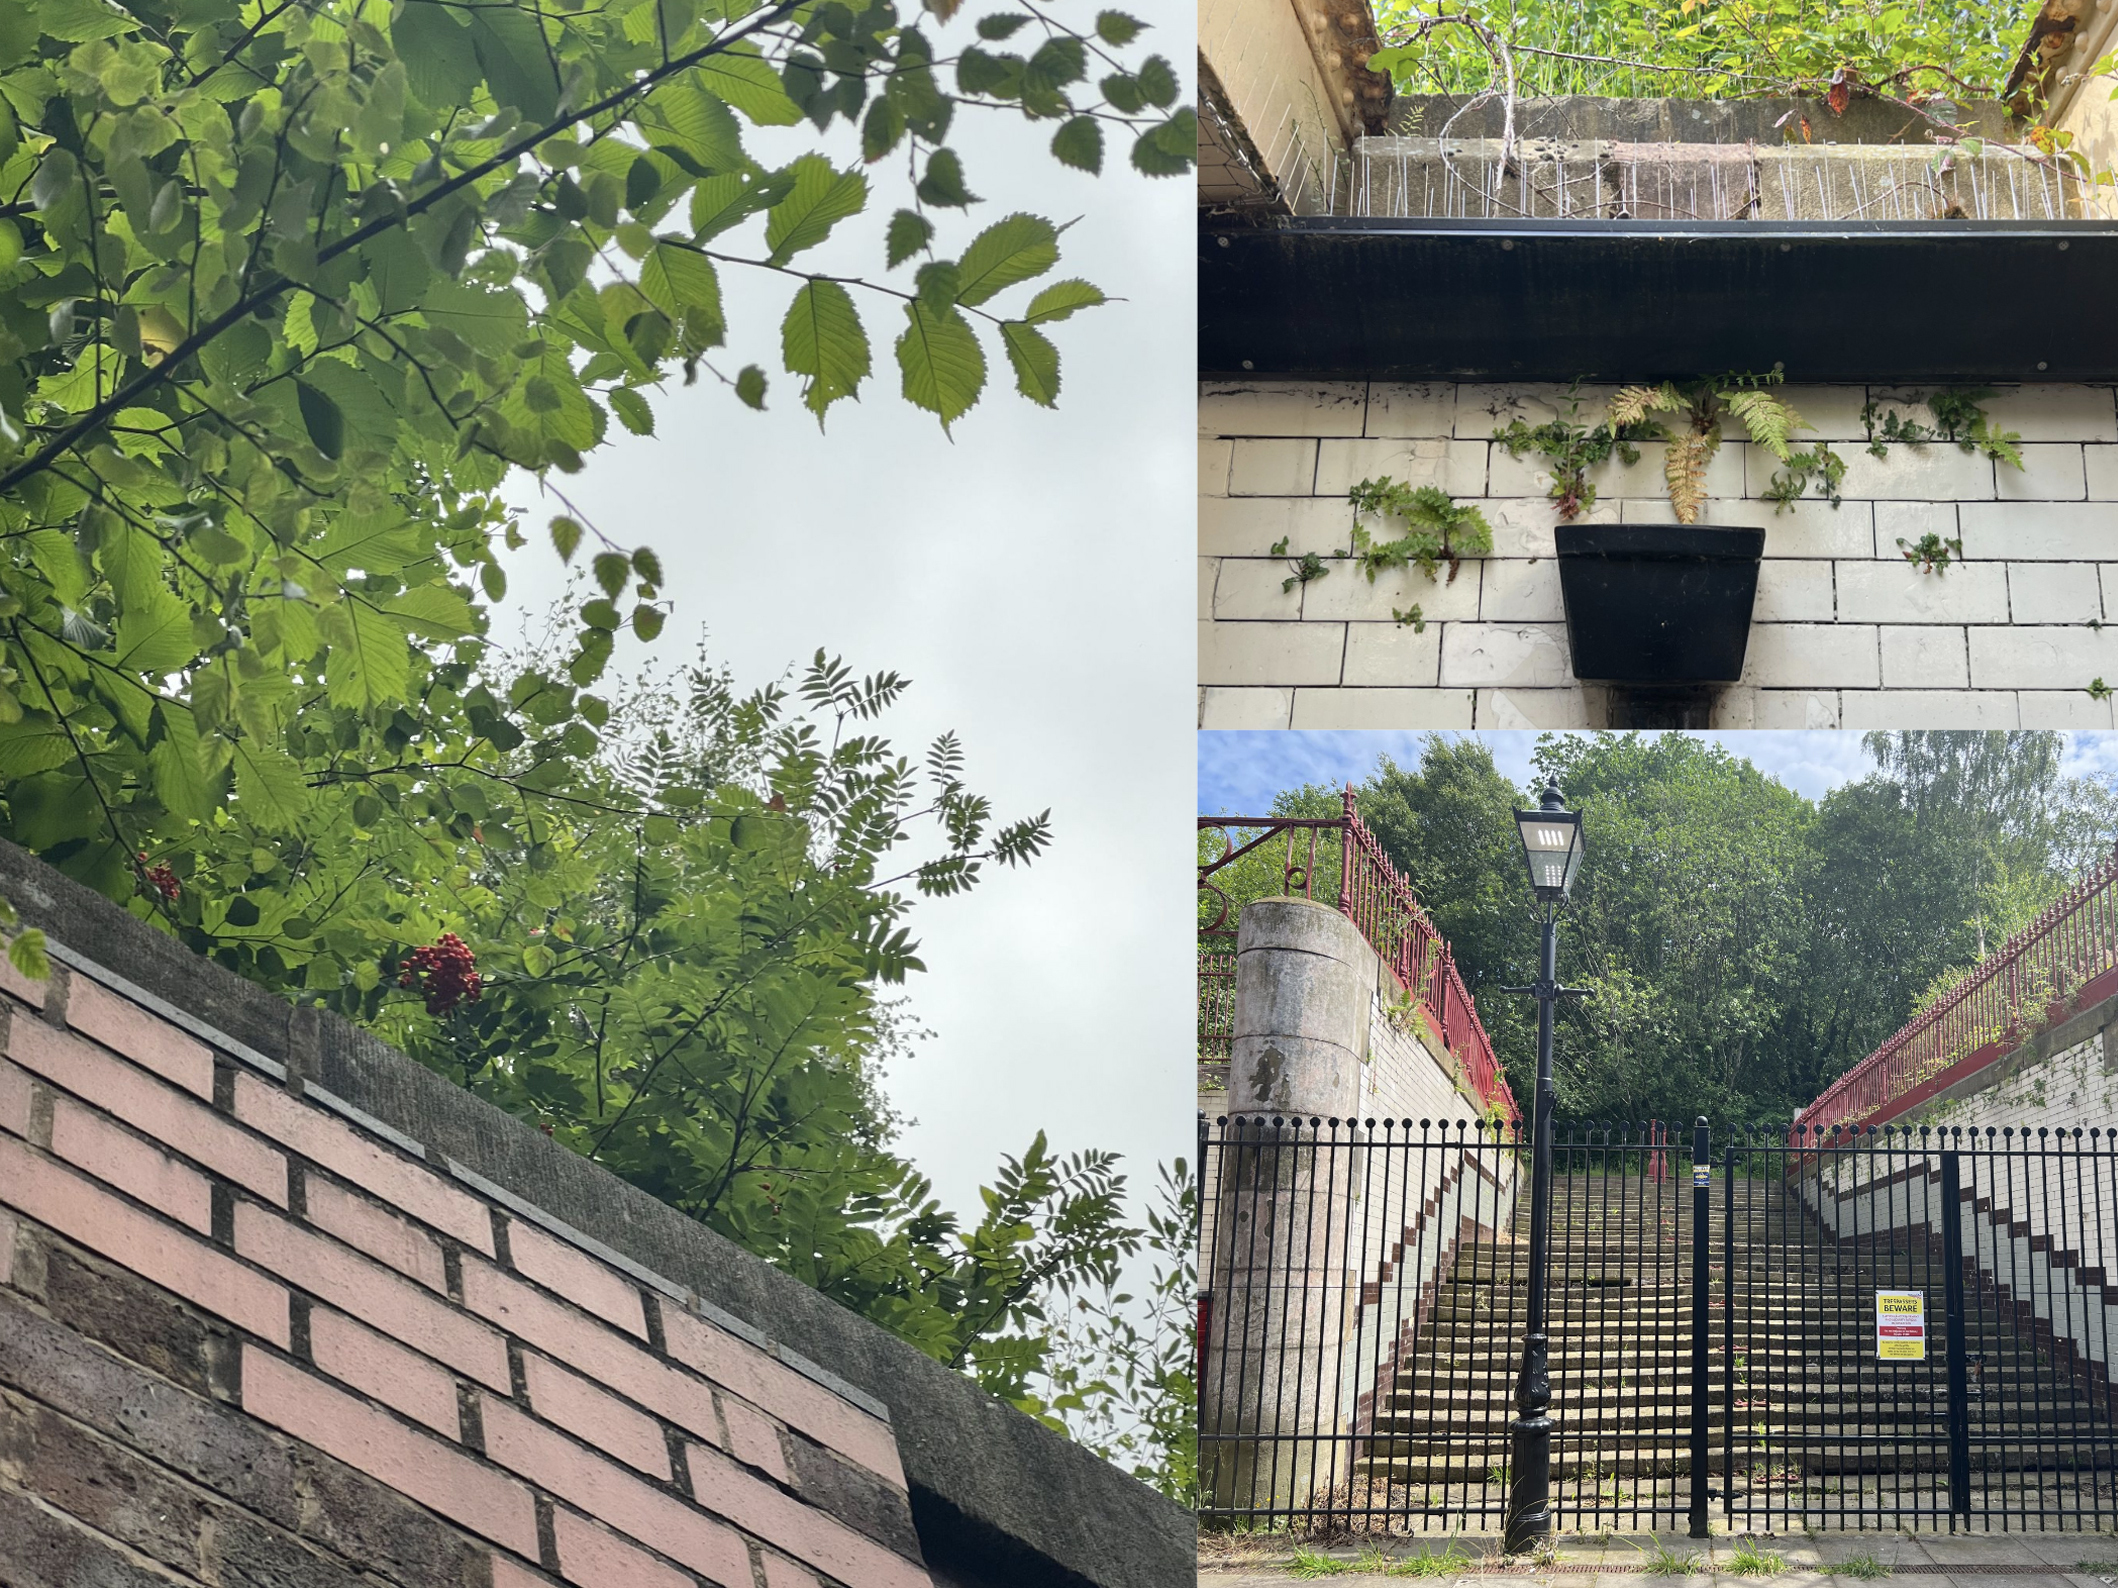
column 1764, row 1326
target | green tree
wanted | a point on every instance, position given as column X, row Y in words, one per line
column 287, row 290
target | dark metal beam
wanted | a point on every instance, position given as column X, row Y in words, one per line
column 1921, row 301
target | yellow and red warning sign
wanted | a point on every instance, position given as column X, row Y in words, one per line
column 1901, row 1325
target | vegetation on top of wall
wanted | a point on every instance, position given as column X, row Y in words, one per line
column 1925, row 52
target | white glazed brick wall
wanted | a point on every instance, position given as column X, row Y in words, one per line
column 1845, row 634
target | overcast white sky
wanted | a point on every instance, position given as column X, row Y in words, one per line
column 1239, row 773
column 1033, row 579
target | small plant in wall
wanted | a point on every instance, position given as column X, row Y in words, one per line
column 1958, row 418
column 1930, row 553
column 1436, row 529
column 1573, row 448
column 1770, row 418
column 1306, row 567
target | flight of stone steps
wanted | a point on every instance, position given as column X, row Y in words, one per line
column 1819, row 1422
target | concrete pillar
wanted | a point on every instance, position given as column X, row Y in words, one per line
column 1287, row 1290
column 1305, row 986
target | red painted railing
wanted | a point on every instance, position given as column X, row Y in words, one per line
column 1375, row 898
column 2061, row 962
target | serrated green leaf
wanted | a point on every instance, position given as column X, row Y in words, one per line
column 750, row 386
column 647, row 621
column 1169, row 149
column 1036, row 363
column 1157, row 81
column 370, row 660
column 676, row 279
column 1061, row 299
column 821, row 197
column 438, row 610
column 1001, row 25
column 1079, row 143
column 910, row 232
column 153, row 636
column 28, row 952
column 942, row 364
column 632, row 410
column 612, row 569
column 566, row 536
column 942, row 185
column 177, row 768
column 268, row 785
column 751, row 86
column 1009, row 251
column 822, row 339
column 1117, row 28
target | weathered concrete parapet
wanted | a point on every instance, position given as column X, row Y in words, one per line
column 1305, row 980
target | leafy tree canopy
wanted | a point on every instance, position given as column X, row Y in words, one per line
column 1747, row 946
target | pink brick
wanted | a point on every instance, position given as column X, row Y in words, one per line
column 583, row 1343
column 613, row 1495
column 145, row 1173
column 780, row 1572
column 146, row 1039
column 352, row 1156
column 372, row 1293
column 603, row 1420
column 597, row 1559
column 83, row 1211
column 510, row 1573
column 754, row 1439
column 377, row 1366
column 576, row 1276
column 796, row 1401
column 438, row 1476
column 809, row 1535
column 372, row 1228
column 150, row 1107
column 14, row 1100
column 13, row 981
column 7, row 1246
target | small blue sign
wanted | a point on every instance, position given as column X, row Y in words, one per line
column 1702, row 1174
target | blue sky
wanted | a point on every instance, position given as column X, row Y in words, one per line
column 1239, row 773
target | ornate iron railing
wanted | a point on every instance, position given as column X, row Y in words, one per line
column 2064, row 960
column 1337, row 860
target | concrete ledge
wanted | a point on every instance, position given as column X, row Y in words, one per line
column 997, row 1497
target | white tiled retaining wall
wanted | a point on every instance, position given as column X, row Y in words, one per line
column 1845, row 633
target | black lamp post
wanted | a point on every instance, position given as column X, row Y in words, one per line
column 1551, row 847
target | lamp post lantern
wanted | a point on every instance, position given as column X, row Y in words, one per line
column 1551, row 848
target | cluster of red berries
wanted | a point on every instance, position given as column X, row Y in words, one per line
column 446, row 972
column 160, row 878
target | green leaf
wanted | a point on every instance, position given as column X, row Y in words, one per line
column 820, row 199
column 439, row 610
column 518, row 65
column 566, row 535
column 1157, row 81
column 1009, row 251
column 647, row 565
column 647, row 621
column 632, row 410
column 1169, row 149
column 612, row 569
column 322, row 419
column 370, row 661
column 750, row 386
column 269, row 785
column 1036, row 363
column 943, row 183
column 1061, row 299
column 1001, row 25
column 80, row 21
column 702, row 124
column 751, row 86
column 942, row 363
column 537, row 960
column 910, row 232
column 175, row 765
column 154, row 636
column 678, row 280
column 1079, row 143
column 28, row 953
column 1117, row 29
column 822, row 339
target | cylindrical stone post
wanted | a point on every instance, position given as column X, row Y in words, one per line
column 1305, row 991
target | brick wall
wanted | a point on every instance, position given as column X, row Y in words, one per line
column 1845, row 633
column 248, row 1337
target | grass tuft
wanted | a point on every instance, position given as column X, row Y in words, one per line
column 1659, row 1560
column 1861, row 1566
column 1750, row 1561
column 1315, row 1563
column 1445, row 1563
